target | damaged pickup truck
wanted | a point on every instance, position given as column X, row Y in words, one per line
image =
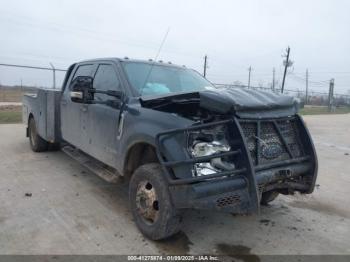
column 179, row 141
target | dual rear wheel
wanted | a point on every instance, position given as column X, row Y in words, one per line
column 37, row 144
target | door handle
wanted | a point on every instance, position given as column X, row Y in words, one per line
column 84, row 109
column 63, row 102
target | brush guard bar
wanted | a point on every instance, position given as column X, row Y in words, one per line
column 245, row 169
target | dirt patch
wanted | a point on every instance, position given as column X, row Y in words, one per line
column 178, row 244
column 321, row 208
column 12, row 94
column 82, row 228
column 11, row 108
column 237, row 251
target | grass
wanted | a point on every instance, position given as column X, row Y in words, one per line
column 10, row 115
column 323, row 110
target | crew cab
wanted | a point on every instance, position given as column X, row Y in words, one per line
column 177, row 140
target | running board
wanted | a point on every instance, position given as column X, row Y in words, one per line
column 105, row 172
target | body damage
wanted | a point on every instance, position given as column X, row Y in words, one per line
column 275, row 162
column 244, row 103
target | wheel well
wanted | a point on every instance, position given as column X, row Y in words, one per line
column 138, row 155
column 27, row 129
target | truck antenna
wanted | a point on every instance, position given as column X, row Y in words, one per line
column 155, row 59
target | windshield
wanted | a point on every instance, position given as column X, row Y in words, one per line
column 163, row 79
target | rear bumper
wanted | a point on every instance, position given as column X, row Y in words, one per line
column 231, row 194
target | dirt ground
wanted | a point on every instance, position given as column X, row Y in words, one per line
column 10, row 107
column 51, row 205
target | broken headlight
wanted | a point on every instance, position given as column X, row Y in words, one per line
column 206, row 143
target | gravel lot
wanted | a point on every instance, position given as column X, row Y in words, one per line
column 69, row 210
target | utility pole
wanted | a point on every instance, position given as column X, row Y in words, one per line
column 54, row 75
column 307, row 87
column 273, row 79
column 286, row 65
column 330, row 95
column 249, row 74
column 205, row 66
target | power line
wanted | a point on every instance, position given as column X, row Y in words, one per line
column 325, row 82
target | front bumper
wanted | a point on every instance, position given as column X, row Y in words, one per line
column 231, row 194
column 239, row 191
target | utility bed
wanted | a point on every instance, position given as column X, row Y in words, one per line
column 44, row 107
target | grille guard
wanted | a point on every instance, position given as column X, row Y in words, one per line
column 245, row 167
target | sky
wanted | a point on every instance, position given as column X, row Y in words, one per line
column 233, row 34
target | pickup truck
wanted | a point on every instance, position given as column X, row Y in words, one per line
column 177, row 140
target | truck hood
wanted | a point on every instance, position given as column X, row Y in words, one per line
column 245, row 103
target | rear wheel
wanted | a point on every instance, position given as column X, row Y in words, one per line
column 268, row 197
column 36, row 142
column 151, row 206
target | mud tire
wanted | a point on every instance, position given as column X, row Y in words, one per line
column 268, row 197
column 37, row 144
column 168, row 219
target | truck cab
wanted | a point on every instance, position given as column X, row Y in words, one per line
column 179, row 141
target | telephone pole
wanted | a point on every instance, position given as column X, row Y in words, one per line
column 273, row 79
column 205, row 66
column 286, row 65
column 54, row 75
column 250, row 71
column 307, row 87
column 330, row 95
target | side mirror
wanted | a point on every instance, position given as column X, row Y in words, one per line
column 81, row 90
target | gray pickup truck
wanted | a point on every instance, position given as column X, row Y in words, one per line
column 177, row 140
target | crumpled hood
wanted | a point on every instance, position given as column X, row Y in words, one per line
column 246, row 102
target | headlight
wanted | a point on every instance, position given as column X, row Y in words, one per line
column 207, row 143
column 206, row 149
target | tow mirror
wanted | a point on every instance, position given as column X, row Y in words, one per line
column 81, row 90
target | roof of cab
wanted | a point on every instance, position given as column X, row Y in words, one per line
column 132, row 60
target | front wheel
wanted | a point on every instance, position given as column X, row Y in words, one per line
column 151, row 205
column 37, row 144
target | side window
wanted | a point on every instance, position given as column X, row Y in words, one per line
column 83, row 70
column 105, row 79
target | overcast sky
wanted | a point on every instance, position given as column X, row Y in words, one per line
column 234, row 35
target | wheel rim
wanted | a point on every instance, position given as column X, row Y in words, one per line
column 147, row 203
column 32, row 133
